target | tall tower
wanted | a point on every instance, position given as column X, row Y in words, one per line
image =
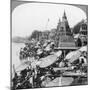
column 63, row 26
column 64, row 35
column 64, row 18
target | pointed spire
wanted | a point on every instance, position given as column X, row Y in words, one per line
column 64, row 15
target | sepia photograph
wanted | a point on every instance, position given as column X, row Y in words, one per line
column 49, row 44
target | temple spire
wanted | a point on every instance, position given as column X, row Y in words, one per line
column 64, row 16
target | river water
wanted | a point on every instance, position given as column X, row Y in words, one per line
column 15, row 54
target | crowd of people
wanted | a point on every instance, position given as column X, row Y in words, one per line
column 42, row 57
column 36, row 49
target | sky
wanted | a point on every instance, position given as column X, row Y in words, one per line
column 41, row 16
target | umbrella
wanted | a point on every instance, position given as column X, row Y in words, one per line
column 59, row 53
column 24, row 64
column 72, row 56
column 47, row 61
column 84, row 48
column 21, row 67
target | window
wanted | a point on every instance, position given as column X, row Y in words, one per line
column 84, row 26
column 62, row 28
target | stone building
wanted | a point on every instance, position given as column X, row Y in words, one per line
column 83, row 33
column 64, row 37
column 83, row 28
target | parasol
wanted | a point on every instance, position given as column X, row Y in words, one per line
column 24, row 64
column 47, row 61
column 59, row 53
column 84, row 48
column 22, row 67
column 72, row 56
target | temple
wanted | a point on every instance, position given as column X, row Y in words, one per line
column 65, row 36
